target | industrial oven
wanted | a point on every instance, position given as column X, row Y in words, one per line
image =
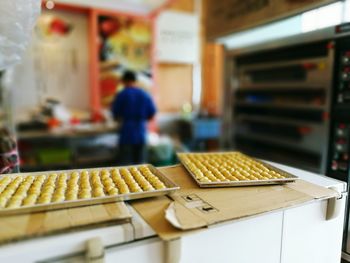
column 289, row 101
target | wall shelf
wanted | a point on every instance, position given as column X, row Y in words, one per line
column 291, row 88
column 273, row 120
column 275, row 140
column 280, row 106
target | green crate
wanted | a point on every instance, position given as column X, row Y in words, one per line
column 53, row 156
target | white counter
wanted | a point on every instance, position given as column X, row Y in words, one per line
column 295, row 235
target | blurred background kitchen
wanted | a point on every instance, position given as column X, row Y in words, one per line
column 61, row 93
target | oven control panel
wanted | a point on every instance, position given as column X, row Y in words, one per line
column 339, row 147
column 340, row 157
column 343, row 95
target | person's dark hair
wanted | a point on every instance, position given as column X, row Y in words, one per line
column 129, row 76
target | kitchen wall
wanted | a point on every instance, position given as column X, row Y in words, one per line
column 175, row 81
column 55, row 65
column 58, row 68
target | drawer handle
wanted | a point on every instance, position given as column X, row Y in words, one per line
column 95, row 252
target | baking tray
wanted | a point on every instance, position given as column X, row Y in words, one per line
column 170, row 188
column 289, row 178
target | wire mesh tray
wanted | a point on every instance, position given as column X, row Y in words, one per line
column 227, row 169
column 19, row 193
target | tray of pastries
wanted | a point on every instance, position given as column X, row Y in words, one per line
column 42, row 191
column 227, row 169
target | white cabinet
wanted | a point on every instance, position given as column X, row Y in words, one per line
column 296, row 235
column 309, row 237
column 250, row 240
column 148, row 251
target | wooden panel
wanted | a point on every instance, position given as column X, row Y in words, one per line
column 226, row 16
column 182, row 5
column 38, row 224
column 174, row 87
column 213, row 78
column 174, row 81
column 93, row 62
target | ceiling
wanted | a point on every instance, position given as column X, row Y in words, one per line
column 141, row 7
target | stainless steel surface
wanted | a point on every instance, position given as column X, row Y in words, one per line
column 242, row 83
column 327, row 33
column 229, row 97
column 345, row 256
column 171, row 187
column 329, row 86
column 288, row 177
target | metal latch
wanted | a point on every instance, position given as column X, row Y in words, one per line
column 334, row 205
column 95, row 251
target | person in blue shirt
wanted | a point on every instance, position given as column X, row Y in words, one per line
column 132, row 108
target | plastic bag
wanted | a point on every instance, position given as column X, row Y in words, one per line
column 17, row 20
column 9, row 161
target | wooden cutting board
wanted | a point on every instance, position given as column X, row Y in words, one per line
column 18, row 227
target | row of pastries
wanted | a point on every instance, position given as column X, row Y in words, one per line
column 229, row 167
column 29, row 190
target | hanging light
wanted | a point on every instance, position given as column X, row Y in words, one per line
column 50, row 4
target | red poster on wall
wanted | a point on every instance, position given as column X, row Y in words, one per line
column 125, row 44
